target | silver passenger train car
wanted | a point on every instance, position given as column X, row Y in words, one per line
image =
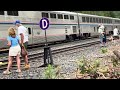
column 64, row 25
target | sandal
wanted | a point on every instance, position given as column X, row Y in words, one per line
column 6, row 72
column 18, row 71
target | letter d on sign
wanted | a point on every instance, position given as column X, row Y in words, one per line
column 44, row 23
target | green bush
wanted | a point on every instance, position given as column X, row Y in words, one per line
column 89, row 67
column 82, row 64
column 103, row 50
column 51, row 72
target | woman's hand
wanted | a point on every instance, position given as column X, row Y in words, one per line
column 9, row 43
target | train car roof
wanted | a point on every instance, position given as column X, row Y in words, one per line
column 64, row 12
column 81, row 14
column 93, row 15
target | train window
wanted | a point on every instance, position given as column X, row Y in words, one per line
column 60, row 16
column 96, row 20
column 45, row 15
column 71, row 17
column 52, row 15
column 87, row 19
column 13, row 13
column 90, row 19
column 110, row 21
column 107, row 21
column 29, row 30
column 83, row 19
column 93, row 20
column 1, row 12
column 99, row 20
column 66, row 17
column 102, row 21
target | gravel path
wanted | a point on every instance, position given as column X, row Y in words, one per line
column 66, row 60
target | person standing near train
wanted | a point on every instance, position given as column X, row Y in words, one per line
column 14, row 50
column 23, row 33
column 101, row 31
column 104, row 37
column 115, row 34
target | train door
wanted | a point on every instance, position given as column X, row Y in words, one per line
column 74, row 29
column 74, row 32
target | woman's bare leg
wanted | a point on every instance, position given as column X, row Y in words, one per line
column 18, row 62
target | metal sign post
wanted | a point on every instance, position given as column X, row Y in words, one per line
column 44, row 24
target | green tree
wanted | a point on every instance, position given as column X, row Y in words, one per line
column 114, row 14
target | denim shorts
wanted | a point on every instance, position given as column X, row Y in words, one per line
column 101, row 38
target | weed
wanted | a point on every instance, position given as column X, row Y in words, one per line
column 103, row 50
column 51, row 72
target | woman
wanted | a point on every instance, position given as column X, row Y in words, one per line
column 15, row 50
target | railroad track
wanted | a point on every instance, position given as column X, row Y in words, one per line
column 32, row 57
column 34, row 48
column 6, row 50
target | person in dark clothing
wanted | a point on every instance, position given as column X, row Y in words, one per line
column 104, row 38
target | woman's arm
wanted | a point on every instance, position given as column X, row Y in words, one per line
column 9, row 43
